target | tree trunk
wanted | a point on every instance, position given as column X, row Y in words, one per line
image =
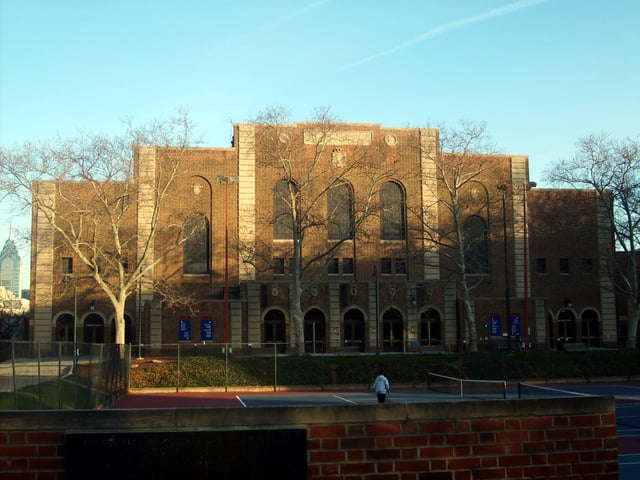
column 297, row 318
column 470, row 319
column 119, row 321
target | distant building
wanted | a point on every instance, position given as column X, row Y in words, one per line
column 10, row 268
column 538, row 260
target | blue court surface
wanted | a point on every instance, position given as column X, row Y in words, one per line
column 300, row 399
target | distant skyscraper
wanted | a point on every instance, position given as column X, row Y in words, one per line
column 10, row 268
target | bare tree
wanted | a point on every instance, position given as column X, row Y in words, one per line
column 87, row 189
column 454, row 220
column 316, row 208
column 12, row 325
column 612, row 169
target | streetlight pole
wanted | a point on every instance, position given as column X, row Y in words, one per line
column 503, row 189
column 226, row 180
column 75, row 326
column 375, row 279
column 140, row 318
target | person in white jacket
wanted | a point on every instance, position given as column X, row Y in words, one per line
column 381, row 386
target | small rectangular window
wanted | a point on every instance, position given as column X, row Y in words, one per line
column 347, row 266
column 385, row 266
column 541, row 266
column 278, row 266
column 401, row 266
column 564, row 266
column 587, row 266
column 332, row 268
column 67, row 266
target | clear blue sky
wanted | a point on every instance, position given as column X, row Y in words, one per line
column 540, row 73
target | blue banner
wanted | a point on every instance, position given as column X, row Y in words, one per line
column 496, row 329
column 206, row 329
column 184, row 330
column 514, row 328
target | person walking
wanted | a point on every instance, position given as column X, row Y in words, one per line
column 381, row 386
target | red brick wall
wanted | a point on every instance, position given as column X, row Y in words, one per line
column 553, row 438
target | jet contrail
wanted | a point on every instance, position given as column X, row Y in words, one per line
column 447, row 27
column 296, row 13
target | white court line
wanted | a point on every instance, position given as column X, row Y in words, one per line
column 241, row 402
column 345, row 399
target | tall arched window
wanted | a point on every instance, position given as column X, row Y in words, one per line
column 275, row 329
column 476, row 245
column 392, row 212
column 340, row 210
column 283, row 220
column 196, row 246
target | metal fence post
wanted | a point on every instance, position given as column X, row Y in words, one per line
column 178, row 373
column 13, row 367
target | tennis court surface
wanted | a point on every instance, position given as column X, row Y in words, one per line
column 627, row 395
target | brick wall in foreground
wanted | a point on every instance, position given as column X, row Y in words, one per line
column 569, row 438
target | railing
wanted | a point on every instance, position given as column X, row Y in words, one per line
column 61, row 375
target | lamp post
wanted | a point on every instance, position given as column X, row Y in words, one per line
column 139, row 318
column 75, row 326
column 375, row 279
column 525, row 206
column 226, row 180
column 503, row 189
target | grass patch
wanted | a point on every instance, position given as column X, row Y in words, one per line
column 54, row 395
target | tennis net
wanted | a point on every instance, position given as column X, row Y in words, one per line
column 532, row 390
column 466, row 387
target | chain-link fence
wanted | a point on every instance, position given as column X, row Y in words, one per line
column 186, row 365
column 62, row 375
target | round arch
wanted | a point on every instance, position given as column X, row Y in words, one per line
column 315, row 331
column 353, row 331
column 590, row 327
column 392, row 330
column 93, row 328
column 64, row 326
column 430, row 327
column 566, row 326
column 274, row 329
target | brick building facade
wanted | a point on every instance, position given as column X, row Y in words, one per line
column 538, row 256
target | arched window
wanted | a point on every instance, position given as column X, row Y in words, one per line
column 314, row 331
column 392, row 212
column 340, row 210
column 275, row 329
column 392, row 331
column 93, row 329
column 566, row 327
column 476, row 245
column 64, row 328
column 354, row 329
column 283, row 220
column 430, row 328
column 590, row 328
column 196, row 246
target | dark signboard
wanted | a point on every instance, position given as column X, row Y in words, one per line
column 206, row 329
column 514, row 328
column 496, row 329
column 184, row 330
column 193, row 455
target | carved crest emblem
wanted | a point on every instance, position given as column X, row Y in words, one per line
column 339, row 158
